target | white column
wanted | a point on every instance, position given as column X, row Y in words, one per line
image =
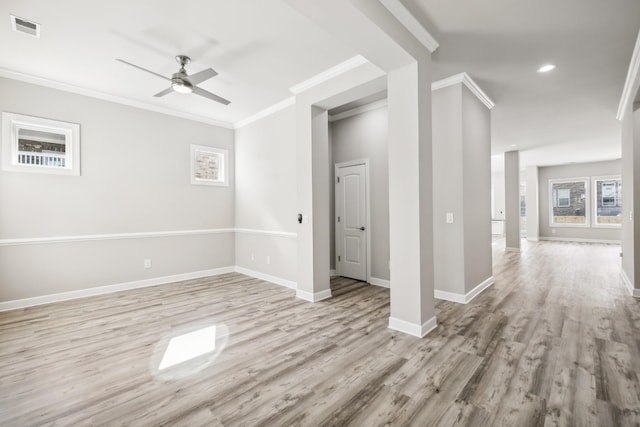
column 533, row 208
column 512, row 200
column 313, row 202
column 410, row 199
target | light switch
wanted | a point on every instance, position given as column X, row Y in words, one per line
column 449, row 218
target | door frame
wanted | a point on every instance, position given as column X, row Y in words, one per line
column 367, row 215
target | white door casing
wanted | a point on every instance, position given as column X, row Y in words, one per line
column 351, row 219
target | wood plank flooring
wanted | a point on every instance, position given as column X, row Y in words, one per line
column 555, row 341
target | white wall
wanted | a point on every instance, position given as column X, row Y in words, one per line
column 577, row 170
column 266, row 195
column 135, row 178
column 359, row 137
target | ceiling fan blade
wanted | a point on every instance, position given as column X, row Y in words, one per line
column 164, row 92
column 210, row 95
column 143, row 69
column 201, row 76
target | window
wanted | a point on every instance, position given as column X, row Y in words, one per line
column 569, row 202
column 564, row 198
column 33, row 144
column 608, row 197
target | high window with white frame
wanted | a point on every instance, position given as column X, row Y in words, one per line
column 569, row 204
column 607, row 193
column 34, row 144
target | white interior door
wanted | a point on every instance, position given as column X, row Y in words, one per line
column 351, row 226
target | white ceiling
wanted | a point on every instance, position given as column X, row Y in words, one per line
column 564, row 116
column 261, row 48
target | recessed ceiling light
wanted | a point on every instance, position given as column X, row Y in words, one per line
column 546, row 68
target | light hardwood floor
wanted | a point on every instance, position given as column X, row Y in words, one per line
column 554, row 342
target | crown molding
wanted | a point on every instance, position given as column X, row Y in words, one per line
column 410, row 22
column 358, row 110
column 469, row 83
column 632, row 78
column 266, row 112
column 40, row 81
column 328, row 74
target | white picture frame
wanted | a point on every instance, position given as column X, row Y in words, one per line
column 39, row 145
column 209, row 166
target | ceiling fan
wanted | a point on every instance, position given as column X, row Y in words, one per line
column 181, row 82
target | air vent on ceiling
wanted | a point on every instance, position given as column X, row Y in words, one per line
column 22, row 25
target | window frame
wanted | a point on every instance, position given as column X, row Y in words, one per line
column 12, row 123
column 223, row 159
column 587, row 202
column 594, row 182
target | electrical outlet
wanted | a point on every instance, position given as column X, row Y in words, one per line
column 147, row 263
column 268, row 259
column 253, row 257
column 449, row 218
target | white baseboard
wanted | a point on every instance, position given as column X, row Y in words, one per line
column 466, row 298
column 508, row 249
column 313, row 297
column 413, row 328
column 478, row 289
column 100, row 290
column 380, row 282
column 333, row 273
column 533, row 239
column 267, row 277
column 449, row 296
column 627, row 282
column 580, row 240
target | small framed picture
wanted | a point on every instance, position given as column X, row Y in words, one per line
column 209, row 166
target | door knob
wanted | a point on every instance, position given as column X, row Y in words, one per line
column 362, row 228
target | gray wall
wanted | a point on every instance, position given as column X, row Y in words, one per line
column 635, row 189
column 462, row 186
column 512, row 200
column 627, row 237
column 448, row 182
column 476, row 137
column 497, row 181
column 266, row 195
column 135, row 177
column 359, row 137
column 630, row 197
column 578, row 170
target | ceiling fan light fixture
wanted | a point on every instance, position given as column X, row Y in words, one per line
column 546, row 68
column 181, row 86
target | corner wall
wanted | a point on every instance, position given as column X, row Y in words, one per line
column 462, row 187
column 134, row 185
column 265, row 212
